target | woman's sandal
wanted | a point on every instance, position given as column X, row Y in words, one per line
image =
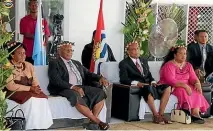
column 158, row 119
column 103, row 126
column 197, row 120
column 166, row 120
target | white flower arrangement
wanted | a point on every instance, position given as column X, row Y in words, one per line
column 143, row 39
column 138, row 24
column 145, row 31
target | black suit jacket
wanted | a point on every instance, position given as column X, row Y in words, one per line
column 194, row 55
column 87, row 55
column 129, row 72
column 209, row 64
column 59, row 76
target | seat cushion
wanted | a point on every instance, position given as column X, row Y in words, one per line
column 110, row 70
column 60, row 108
column 144, row 108
column 42, row 76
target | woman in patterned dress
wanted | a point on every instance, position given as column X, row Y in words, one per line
column 28, row 94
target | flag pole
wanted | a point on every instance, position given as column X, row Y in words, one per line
column 40, row 12
column 38, row 48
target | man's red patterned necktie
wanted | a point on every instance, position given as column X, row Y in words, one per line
column 138, row 66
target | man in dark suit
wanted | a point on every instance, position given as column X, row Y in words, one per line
column 68, row 78
column 197, row 53
column 134, row 70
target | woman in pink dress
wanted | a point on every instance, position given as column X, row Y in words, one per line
column 178, row 73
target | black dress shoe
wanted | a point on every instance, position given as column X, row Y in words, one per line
column 197, row 120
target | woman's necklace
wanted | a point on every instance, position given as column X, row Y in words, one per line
column 18, row 67
column 180, row 65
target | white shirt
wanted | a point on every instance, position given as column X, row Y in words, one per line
column 135, row 83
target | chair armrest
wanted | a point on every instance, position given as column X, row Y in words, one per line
column 206, row 87
column 125, row 102
column 132, row 89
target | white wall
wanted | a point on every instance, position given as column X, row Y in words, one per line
column 80, row 19
column 19, row 13
column 83, row 19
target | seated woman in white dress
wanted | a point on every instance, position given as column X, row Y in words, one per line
column 28, row 94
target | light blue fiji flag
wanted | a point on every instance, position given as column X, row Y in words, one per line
column 39, row 51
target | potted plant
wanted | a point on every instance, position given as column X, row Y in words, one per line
column 5, row 68
column 140, row 19
column 138, row 23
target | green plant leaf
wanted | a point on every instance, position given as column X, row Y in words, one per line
column 151, row 18
column 4, row 72
column 147, row 11
column 139, row 17
column 5, row 13
column 144, row 47
column 180, row 42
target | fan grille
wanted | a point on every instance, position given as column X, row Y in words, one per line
column 199, row 17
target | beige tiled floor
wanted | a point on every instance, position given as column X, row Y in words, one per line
column 141, row 125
